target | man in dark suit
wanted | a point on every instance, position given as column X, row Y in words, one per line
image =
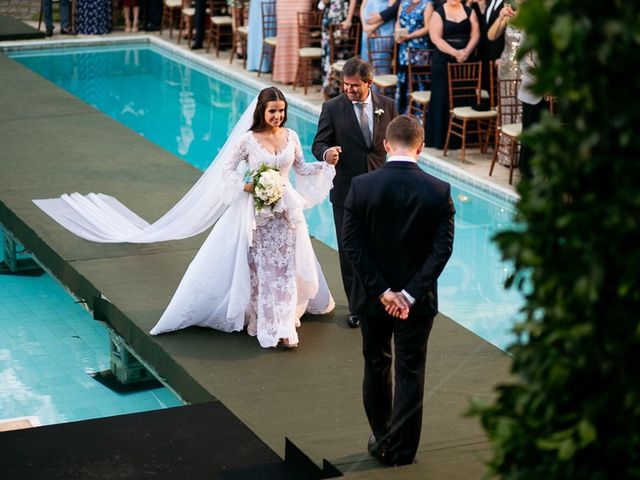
column 398, row 235
column 351, row 129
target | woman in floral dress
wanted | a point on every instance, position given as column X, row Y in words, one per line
column 336, row 12
column 412, row 29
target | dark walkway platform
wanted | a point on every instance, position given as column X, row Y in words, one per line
column 53, row 143
column 196, row 442
column 12, row 29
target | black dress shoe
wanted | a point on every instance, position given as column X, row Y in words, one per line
column 66, row 31
column 49, row 31
column 149, row 27
column 196, row 46
column 353, row 321
column 379, row 450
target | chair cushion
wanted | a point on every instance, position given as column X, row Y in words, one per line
column 421, row 96
column 270, row 41
column 337, row 66
column 385, row 81
column 468, row 112
column 221, row 20
column 173, row 3
column 310, row 52
column 243, row 29
column 188, row 12
column 512, row 129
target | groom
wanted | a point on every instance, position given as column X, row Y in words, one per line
column 351, row 129
column 398, row 235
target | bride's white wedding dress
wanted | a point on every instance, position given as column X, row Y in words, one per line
column 264, row 275
column 257, row 270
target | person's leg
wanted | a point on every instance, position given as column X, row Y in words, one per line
column 376, row 387
column 345, row 266
column 48, row 16
column 410, row 345
column 65, row 16
column 126, row 12
column 136, row 12
column 530, row 115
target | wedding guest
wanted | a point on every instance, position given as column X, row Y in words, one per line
column 455, row 33
column 130, row 8
column 199, row 24
column 411, row 31
column 336, row 12
column 381, row 28
column 256, row 36
column 488, row 50
column 152, row 15
column 65, row 25
column 351, row 129
column 285, row 60
column 398, row 235
column 508, row 64
column 389, row 13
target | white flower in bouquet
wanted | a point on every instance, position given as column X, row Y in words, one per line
column 268, row 187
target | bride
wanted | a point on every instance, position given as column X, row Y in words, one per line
column 257, row 268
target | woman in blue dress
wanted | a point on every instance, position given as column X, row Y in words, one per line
column 412, row 29
column 254, row 40
column 367, row 8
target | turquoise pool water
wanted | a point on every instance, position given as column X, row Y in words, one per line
column 189, row 111
column 49, row 346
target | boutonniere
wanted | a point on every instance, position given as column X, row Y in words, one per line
column 378, row 113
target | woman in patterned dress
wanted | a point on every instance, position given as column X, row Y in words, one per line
column 285, row 61
column 336, row 12
column 412, row 29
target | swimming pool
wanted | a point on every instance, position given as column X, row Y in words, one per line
column 188, row 109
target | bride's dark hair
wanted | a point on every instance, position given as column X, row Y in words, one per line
column 270, row 94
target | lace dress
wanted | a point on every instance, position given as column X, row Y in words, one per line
column 257, row 269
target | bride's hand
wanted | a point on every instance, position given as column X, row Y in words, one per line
column 248, row 187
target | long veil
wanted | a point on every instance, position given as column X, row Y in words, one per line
column 101, row 218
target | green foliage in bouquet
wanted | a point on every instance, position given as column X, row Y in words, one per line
column 573, row 409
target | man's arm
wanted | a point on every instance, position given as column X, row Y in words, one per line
column 354, row 248
column 389, row 13
column 325, row 135
column 440, row 253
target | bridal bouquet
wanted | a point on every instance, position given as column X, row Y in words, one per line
column 268, row 187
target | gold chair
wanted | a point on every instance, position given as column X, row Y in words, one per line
column 220, row 25
column 382, row 56
column 309, row 51
column 419, row 76
column 169, row 7
column 269, row 30
column 342, row 46
column 240, row 29
column 509, row 124
column 464, row 89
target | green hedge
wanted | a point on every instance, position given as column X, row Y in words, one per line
column 574, row 410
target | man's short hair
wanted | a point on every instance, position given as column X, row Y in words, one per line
column 405, row 130
column 357, row 66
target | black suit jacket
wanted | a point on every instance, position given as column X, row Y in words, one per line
column 398, row 234
column 339, row 126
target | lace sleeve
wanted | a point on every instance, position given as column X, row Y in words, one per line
column 313, row 180
column 299, row 165
column 236, row 164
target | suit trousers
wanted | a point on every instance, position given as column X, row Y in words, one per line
column 395, row 416
column 346, row 270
